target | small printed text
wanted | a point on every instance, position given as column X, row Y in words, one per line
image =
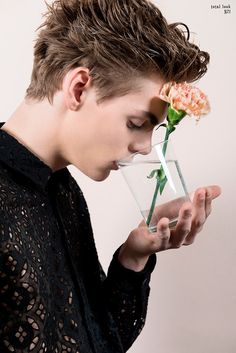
column 226, row 8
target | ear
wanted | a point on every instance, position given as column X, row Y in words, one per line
column 75, row 84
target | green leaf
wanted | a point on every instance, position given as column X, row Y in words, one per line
column 152, row 174
column 162, row 125
column 162, row 179
column 161, row 174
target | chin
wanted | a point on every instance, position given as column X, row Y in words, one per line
column 99, row 175
column 102, row 176
column 96, row 174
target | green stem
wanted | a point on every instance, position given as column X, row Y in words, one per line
column 150, row 214
column 169, row 130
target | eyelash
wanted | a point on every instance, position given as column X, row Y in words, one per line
column 132, row 126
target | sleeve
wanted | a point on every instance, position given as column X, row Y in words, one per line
column 127, row 295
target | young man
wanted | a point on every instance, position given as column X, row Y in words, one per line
column 99, row 66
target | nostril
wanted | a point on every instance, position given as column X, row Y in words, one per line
column 145, row 150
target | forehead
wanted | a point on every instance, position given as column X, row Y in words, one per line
column 147, row 97
column 143, row 97
column 159, row 108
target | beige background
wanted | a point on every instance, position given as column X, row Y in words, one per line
column 192, row 305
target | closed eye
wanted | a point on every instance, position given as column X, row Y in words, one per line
column 145, row 122
column 133, row 126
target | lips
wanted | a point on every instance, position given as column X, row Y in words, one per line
column 114, row 166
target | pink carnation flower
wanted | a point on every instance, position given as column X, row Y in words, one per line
column 186, row 98
column 183, row 99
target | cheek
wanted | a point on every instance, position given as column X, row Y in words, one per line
column 114, row 132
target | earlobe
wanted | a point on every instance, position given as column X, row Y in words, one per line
column 75, row 85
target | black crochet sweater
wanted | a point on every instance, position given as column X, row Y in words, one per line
column 54, row 295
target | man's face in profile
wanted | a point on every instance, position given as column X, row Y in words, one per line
column 114, row 128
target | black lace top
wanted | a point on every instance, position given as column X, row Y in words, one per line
column 54, row 295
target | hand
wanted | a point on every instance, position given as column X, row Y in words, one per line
column 191, row 217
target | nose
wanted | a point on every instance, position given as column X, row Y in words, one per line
column 142, row 146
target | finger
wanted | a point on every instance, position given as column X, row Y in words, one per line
column 208, row 201
column 183, row 226
column 163, row 234
column 214, row 189
column 202, row 200
column 199, row 210
column 199, row 215
column 211, row 193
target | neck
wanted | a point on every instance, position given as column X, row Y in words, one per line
column 37, row 126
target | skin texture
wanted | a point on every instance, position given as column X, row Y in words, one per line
column 76, row 130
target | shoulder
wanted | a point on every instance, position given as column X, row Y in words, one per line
column 10, row 191
column 7, row 187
